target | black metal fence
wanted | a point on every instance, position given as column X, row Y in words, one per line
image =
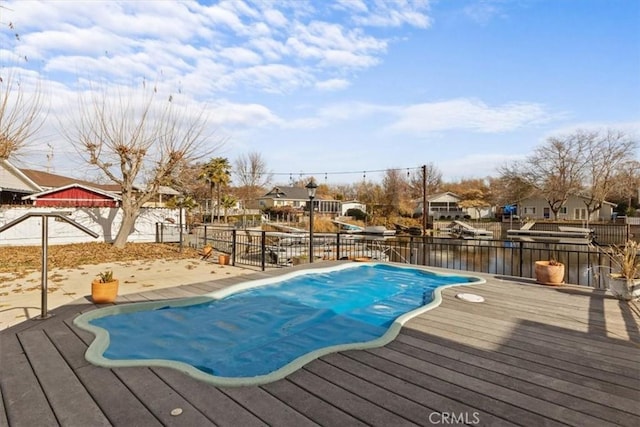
column 584, row 264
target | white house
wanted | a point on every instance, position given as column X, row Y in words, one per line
column 574, row 209
column 441, row 206
column 298, row 198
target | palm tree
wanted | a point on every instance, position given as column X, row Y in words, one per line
column 218, row 173
column 228, row 201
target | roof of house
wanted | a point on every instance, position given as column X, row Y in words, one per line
column 106, row 194
column 438, row 195
column 288, row 193
column 51, row 180
column 13, row 179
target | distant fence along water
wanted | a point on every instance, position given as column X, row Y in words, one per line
column 584, row 264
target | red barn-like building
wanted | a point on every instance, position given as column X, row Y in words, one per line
column 74, row 196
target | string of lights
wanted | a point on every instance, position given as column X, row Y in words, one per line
column 364, row 173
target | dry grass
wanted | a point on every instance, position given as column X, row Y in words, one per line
column 20, row 260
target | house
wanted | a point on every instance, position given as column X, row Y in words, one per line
column 75, row 196
column 14, row 184
column 17, row 183
column 279, row 197
column 298, row 199
column 441, row 206
column 536, row 207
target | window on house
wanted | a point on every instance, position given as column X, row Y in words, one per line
column 563, row 210
column 580, row 213
column 529, row 210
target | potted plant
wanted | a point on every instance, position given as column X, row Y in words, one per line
column 104, row 288
column 624, row 279
column 550, row 272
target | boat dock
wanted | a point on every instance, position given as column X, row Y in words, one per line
column 563, row 234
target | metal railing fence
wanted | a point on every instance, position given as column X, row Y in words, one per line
column 584, row 264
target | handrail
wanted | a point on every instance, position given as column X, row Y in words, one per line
column 45, row 245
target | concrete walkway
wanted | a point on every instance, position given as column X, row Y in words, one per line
column 20, row 299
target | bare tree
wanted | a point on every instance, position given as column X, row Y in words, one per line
column 555, row 169
column 20, row 115
column 252, row 175
column 606, row 155
column 583, row 163
column 509, row 188
column 394, row 192
column 433, row 178
column 138, row 143
column 627, row 184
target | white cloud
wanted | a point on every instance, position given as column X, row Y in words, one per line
column 395, row 14
column 242, row 115
column 332, row 84
column 240, row 55
column 485, row 10
column 275, row 18
column 226, row 40
column 468, row 114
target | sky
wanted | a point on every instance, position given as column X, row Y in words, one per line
column 340, row 90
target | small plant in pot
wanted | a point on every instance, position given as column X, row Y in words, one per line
column 104, row 288
column 624, row 279
column 550, row 272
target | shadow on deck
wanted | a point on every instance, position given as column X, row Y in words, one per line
column 529, row 355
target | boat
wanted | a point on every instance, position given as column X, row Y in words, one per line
column 375, row 230
column 463, row 229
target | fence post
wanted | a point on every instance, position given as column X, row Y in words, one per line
column 204, row 238
column 263, row 249
column 337, row 246
column 411, row 260
column 424, row 250
column 233, row 246
column 520, row 249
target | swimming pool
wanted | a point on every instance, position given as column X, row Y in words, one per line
column 260, row 331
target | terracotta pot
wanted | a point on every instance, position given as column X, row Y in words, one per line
column 548, row 274
column 223, row 259
column 362, row 259
column 103, row 293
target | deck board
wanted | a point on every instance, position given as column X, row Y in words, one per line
column 24, row 400
column 318, row 410
column 271, row 410
column 529, row 355
column 403, row 369
column 212, row 402
column 355, row 404
column 431, row 401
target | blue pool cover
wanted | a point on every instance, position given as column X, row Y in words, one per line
column 259, row 330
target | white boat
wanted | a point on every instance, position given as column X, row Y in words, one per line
column 376, row 230
column 463, row 229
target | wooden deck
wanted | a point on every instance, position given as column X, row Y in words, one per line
column 529, row 355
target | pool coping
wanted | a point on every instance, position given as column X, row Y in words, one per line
column 96, row 349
